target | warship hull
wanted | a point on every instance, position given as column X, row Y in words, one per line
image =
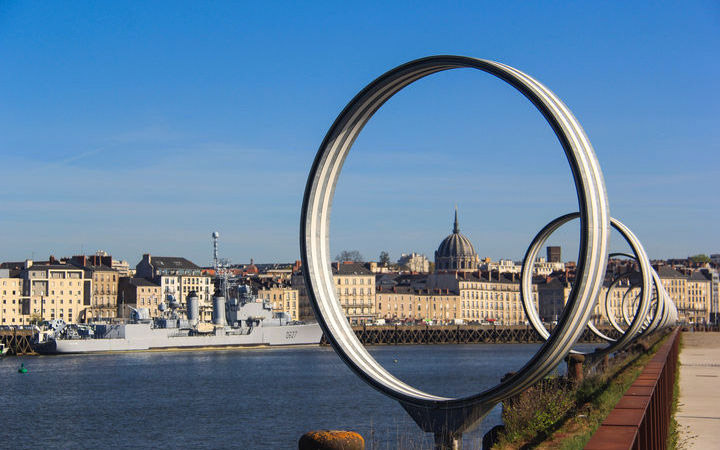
column 139, row 337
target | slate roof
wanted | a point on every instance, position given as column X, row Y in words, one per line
column 100, row 268
column 698, row 275
column 669, row 272
column 455, row 245
column 139, row 282
column 350, row 269
column 172, row 262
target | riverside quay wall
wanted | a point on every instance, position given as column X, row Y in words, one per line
column 455, row 334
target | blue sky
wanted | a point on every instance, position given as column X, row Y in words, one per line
column 144, row 126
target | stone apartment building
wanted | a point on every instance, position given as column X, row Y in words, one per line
column 104, row 295
column 405, row 303
column 13, row 304
column 552, row 295
column 138, row 293
column 414, row 262
column 691, row 293
column 178, row 277
column 485, row 297
column 283, row 298
column 354, row 286
column 56, row 291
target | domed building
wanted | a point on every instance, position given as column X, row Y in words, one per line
column 456, row 252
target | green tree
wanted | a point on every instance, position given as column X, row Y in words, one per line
column 701, row 258
column 384, row 259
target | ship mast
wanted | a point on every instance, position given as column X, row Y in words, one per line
column 215, row 237
column 220, row 266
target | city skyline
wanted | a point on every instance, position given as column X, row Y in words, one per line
column 129, row 129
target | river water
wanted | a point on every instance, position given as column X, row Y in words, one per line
column 234, row 399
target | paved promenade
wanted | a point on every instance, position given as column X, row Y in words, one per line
column 699, row 404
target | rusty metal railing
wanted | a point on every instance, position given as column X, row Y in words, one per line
column 641, row 419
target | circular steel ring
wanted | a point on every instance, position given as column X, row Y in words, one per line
column 526, row 283
column 624, row 308
column 651, row 320
column 610, row 318
column 315, row 226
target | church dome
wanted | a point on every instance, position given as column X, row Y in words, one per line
column 456, row 252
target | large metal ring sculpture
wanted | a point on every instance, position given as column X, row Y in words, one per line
column 645, row 270
column 448, row 418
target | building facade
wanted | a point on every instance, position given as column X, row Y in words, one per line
column 282, row 298
column 485, row 297
column 354, row 287
column 178, row 277
column 104, row 297
column 13, row 304
column 135, row 293
column 407, row 304
column 414, row 262
column 56, row 291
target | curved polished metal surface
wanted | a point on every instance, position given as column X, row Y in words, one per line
column 449, row 417
column 645, row 270
column 315, row 226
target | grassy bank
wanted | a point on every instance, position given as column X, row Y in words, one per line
column 673, row 441
column 557, row 413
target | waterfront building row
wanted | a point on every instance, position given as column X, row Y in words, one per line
column 88, row 288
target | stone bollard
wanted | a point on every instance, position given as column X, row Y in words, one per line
column 575, row 367
column 331, row 440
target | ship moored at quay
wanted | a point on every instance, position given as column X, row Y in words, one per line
column 241, row 321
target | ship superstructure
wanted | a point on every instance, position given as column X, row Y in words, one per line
column 238, row 319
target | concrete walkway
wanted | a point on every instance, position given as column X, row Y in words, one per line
column 698, row 411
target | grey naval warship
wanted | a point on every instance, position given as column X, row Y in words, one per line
column 243, row 321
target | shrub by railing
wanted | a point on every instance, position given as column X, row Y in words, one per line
column 641, row 419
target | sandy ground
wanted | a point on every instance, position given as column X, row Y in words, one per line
column 699, row 404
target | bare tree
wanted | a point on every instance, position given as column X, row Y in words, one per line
column 350, row 255
column 384, row 259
